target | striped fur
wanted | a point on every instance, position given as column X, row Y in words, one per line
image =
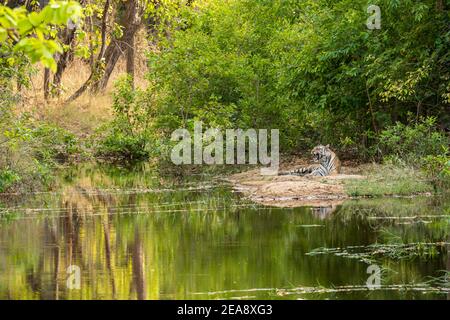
column 329, row 164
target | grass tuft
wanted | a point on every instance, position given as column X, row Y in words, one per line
column 388, row 180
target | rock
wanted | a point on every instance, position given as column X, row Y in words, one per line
column 292, row 191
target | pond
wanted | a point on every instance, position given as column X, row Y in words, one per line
column 114, row 233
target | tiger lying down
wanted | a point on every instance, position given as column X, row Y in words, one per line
column 329, row 164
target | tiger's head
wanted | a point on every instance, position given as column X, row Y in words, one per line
column 321, row 153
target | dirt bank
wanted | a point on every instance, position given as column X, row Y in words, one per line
column 293, row 191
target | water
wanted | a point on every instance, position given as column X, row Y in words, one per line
column 134, row 235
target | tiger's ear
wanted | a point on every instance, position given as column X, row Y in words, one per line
column 327, row 146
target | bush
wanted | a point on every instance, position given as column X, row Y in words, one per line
column 29, row 151
column 7, row 179
column 419, row 145
column 437, row 169
column 53, row 143
column 411, row 144
column 121, row 146
column 19, row 170
column 128, row 137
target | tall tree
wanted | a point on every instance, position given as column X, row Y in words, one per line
column 130, row 20
column 67, row 36
column 97, row 67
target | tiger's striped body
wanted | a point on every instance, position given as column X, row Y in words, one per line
column 329, row 164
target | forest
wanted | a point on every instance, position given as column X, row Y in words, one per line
column 137, row 70
column 91, row 92
column 311, row 69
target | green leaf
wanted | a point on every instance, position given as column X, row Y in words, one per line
column 11, row 17
column 35, row 19
column 24, row 27
column 3, row 35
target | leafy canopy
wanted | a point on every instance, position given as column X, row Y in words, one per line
column 33, row 33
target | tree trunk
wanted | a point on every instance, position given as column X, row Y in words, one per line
column 130, row 59
column 64, row 59
column 104, row 21
column 68, row 37
column 91, row 40
column 131, row 22
column 112, row 55
column 372, row 115
column 97, row 65
column 46, row 83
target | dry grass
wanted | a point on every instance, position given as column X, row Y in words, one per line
column 81, row 116
column 88, row 111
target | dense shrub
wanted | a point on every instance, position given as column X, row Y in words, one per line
column 419, row 145
column 411, row 143
column 7, row 179
column 437, row 169
column 53, row 143
column 30, row 151
column 309, row 68
column 128, row 137
column 19, row 169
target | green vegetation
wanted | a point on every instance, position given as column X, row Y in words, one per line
column 30, row 151
column 313, row 71
column 416, row 160
column 24, row 33
column 110, row 80
column 390, row 180
column 29, row 148
column 309, row 68
column 128, row 136
column 411, row 144
column 420, row 146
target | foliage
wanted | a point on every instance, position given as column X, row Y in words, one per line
column 419, row 145
column 29, row 32
column 54, row 143
column 410, row 143
column 30, row 150
column 388, row 179
column 7, row 179
column 128, row 136
column 309, row 68
column 437, row 169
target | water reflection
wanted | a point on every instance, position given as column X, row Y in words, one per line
column 324, row 212
column 136, row 236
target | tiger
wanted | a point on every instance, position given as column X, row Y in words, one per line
column 329, row 164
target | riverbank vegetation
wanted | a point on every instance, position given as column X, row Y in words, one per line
column 389, row 180
column 115, row 78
